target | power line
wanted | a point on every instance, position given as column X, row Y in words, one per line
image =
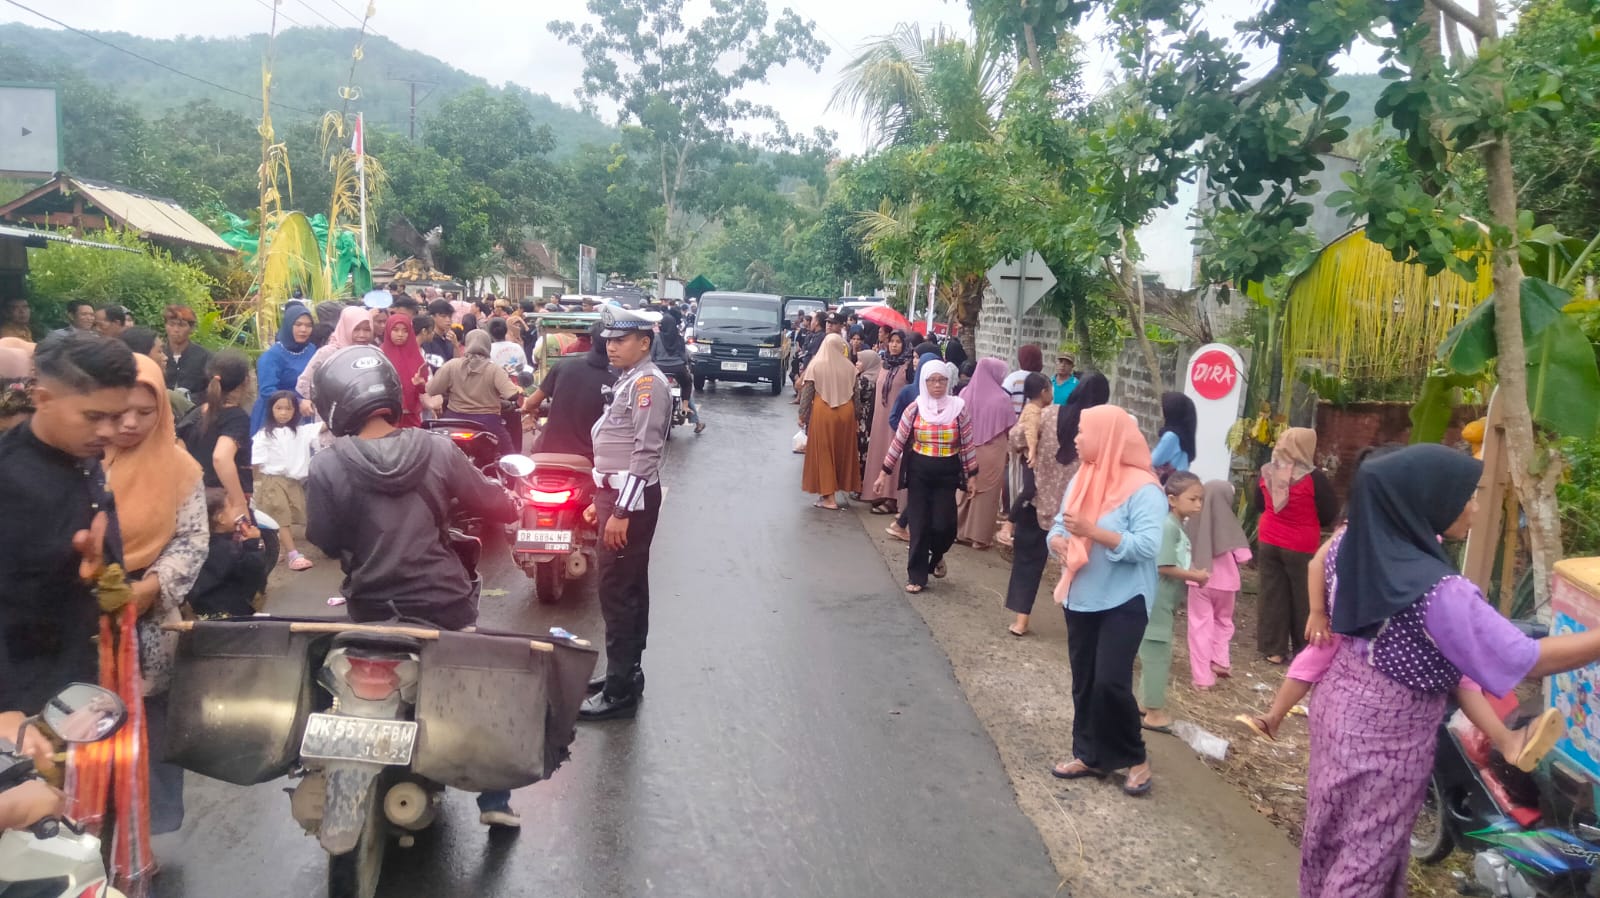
column 319, row 13
column 347, row 11
column 270, row 8
column 157, row 63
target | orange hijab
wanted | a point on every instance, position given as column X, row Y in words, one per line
column 1115, row 464
column 151, row 480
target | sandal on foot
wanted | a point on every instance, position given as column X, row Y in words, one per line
column 1075, row 770
column 1222, row 672
column 1156, row 727
column 1256, row 725
column 1129, row 787
column 1018, row 633
column 939, row 570
column 879, row 509
column 298, row 562
column 897, row 533
column 1538, row 738
column 914, row 588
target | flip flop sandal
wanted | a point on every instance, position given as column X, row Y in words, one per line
column 940, row 571
column 913, row 588
column 818, row 504
column 1018, row 635
column 1154, row 728
column 898, row 534
column 1255, row 726
column 1542, row 735
column 1084, row 771
column 1141, row 789
column 878, row 509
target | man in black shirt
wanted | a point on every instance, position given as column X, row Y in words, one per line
column 186, row 361
column 56, row 518
column 439, row 346
column 576, row 390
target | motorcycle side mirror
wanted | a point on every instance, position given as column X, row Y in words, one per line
column 83, row 712
column 516, row 465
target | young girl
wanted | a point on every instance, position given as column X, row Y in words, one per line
column 1185, row 497
column 234, row 568
column 1215, row 535
column 282, row 453
column 217, row 432
column 1036, row 397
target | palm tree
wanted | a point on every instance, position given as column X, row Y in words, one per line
column 911, row 89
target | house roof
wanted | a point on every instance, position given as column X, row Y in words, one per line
column 153, row 218
column 37, row 238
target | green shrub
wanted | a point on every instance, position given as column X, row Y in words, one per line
column 145, row 282
column 1579, row 497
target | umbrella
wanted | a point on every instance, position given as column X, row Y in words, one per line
column 886, row 316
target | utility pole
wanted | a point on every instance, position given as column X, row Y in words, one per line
column 405, row 77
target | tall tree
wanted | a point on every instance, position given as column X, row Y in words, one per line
column 680, row 84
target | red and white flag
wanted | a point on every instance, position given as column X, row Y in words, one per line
column 357, row 144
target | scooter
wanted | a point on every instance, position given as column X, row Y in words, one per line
column 554, row 543
column 398, row 713
column 55, row 858
column 482, row 449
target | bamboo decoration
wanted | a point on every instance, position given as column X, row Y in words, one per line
column 1356, row 313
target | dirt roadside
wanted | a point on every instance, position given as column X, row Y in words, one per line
column 1194, row 835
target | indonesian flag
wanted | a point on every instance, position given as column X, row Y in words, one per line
column 357, row 144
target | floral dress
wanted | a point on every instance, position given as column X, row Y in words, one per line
column 866, row 405
column 178, row 565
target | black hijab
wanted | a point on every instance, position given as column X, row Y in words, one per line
column 1093, row 390
column 955, row 353
column 1391, row 554
column 896, row 362
column 1178, row 416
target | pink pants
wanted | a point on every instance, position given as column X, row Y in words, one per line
column 1210, row 629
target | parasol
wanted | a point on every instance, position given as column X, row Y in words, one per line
column 886, row 316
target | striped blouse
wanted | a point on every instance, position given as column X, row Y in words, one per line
column 933, row 440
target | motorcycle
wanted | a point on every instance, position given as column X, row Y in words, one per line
column 399, row 713
column 553, row 543
column 680, row 409
column 482, row 449
column 1532, row 835
column 55, row 858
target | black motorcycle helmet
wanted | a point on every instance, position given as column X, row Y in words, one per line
column 354, row 384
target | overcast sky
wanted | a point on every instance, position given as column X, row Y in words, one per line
column 505, row 41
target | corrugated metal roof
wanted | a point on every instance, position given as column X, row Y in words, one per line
column 151, row 215
column 30, row 235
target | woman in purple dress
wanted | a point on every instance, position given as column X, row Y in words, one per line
column 1415, row 626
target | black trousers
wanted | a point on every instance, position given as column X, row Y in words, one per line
column 1101, row 646
column 625, row 587
column 1030, row 554
column 1284, row 604
column 930, row 512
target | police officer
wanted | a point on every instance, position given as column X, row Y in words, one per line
column 629, row 440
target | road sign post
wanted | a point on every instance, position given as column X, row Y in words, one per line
column 1021, row 283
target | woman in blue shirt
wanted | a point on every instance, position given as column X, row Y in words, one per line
column 1107, row 536
column 1175, row 449
column 281, row 365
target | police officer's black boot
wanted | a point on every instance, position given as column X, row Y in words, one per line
column 599, row 683
column 619, row 698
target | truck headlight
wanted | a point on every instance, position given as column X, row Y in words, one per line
column 698, row 348
column 771, row 353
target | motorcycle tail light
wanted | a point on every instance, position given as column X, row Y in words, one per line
column 540, row 497
column 547, row 520
column 374, row 679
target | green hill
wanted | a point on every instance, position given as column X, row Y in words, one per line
column 311, row 65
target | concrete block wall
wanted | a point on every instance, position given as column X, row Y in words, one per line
column 997, row 337
column 1134, row 389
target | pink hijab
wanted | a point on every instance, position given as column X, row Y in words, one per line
column 344, row 333
column 988, row 404
column 1115, row 464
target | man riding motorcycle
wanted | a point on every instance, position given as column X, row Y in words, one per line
column 576, row 390
column 379, row 501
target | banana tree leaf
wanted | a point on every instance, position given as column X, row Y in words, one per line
column 1430, row 415
column 1470, row 345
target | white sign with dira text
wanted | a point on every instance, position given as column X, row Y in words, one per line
column 1215, row 381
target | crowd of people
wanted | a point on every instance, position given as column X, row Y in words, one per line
column 1047, row 466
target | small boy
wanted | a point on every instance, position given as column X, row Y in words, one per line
column 1185, row 495
column 234, row 567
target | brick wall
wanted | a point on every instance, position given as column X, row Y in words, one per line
column 996, row 336
column 1343, row 431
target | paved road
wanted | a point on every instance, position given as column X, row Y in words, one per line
column 802, row 735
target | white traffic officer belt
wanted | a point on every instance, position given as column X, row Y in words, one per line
column 614, row 481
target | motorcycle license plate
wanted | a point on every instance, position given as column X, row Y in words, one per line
column 335, row 737
column 551, row 540
column 736, row 366
column 677, row 392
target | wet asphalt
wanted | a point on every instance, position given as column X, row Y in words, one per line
column 802, row 733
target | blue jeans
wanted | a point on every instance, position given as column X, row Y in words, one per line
column 499, row 800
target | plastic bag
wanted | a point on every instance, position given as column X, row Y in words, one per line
column 799, row 442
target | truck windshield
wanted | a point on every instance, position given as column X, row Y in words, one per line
column 730, row 312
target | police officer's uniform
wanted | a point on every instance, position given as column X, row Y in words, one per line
column 629, row 440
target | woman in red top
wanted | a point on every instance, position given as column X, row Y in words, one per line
column 1296, row 501
column 401, row 349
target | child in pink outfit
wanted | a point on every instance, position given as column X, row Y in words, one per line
column 1219, row 544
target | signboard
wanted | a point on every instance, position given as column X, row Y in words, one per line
column 1215, row 381
column 1021, row 283
column 30, row 130
column 588, row 276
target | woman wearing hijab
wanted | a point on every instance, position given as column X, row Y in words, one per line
column 1107, row 536
column 400, row 347
column 828, row 416
column 354, row 329
column 280, row 367
column 1296, row 502
column 904, row 399
column 868, row 366
column 935, row 438
column 1034, row 514
column 473, row 386
column 1414, row 628
column 989, row 407
column 161, row 511
column 891, row 375
column 1175, row 449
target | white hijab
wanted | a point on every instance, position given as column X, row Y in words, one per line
column 938, row 411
